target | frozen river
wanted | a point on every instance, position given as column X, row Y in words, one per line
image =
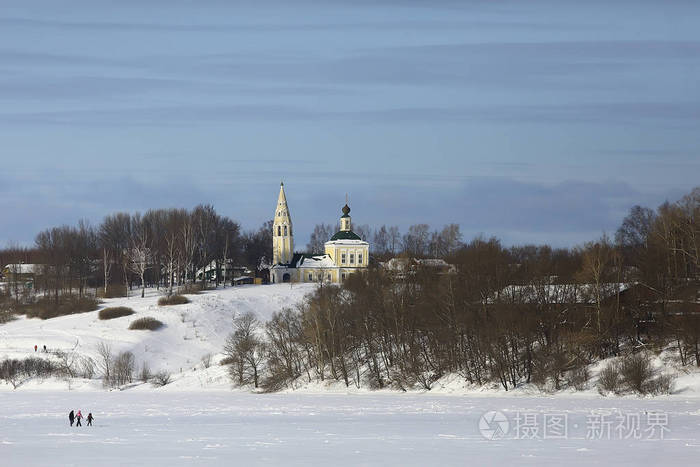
column 232, row 428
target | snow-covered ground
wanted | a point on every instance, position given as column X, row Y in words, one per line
column 199, row 419
column 238, row 428
column 191, row 330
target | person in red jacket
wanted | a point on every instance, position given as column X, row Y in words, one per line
column 78, row 417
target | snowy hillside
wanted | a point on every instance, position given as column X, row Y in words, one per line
column 191, row 330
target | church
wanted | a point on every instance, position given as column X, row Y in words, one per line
column 345, row 252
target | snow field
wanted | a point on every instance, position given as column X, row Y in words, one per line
column 238, row 428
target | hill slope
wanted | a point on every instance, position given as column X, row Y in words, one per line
column 191, row 330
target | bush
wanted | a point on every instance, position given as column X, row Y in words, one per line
column 637, row 372
column 115, row 312
column 47, row 307
column 161, row 378
column 190, row 289
column 662, row 384
column 609, row 379
column 113, row 291
column 16, row 371
column 145, row 373
column 147, row 323
column 173, row 300
column 227, row 361
column 578, row 378
column 639, row 375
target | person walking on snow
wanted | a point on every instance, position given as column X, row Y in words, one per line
column 90, row 418
column 35, row 347
column 71, row 417
column 78, row 416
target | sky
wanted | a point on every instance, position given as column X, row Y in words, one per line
column 536, row 122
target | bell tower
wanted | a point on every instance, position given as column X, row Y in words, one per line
column 282, row 238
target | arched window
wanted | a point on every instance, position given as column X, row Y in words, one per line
column 285, row 230
column 279, row 231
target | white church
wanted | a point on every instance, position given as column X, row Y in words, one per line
column 345, row 252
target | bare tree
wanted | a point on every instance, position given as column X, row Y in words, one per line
column 245, row 349
column 320, row 235
column 139, row 253
column 104, row 352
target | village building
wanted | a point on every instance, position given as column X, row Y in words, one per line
column 344, row 253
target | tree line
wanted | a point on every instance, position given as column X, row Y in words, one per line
column 388, row 241
column 506, row 316
column 161, row 248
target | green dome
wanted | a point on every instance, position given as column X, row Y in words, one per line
column 345, row 235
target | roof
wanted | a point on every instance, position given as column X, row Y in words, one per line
column 405, row 264
column 22, row 268
column 307, row 260
column 345, row 235
column 318, row 261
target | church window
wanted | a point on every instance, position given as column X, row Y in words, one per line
column 279, row 231
column 359, row 258
column 342, row 258
column 352, row 258
column 311, row 277
column 285, row 230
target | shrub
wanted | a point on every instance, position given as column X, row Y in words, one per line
column 6, row 316
column 145, row 373
column 637, row 372
column 609, row 379
column 161, row 379
column 47, row 307
column 15, row 372
column 578, row 378
column 662, row 384
column 115, row 312
column 227, row 361
column 147, row 323
column 190, row 289
column 639, row 375
column 173, row 300
column 113, row 291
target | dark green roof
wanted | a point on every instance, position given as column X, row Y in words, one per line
column 345, row 235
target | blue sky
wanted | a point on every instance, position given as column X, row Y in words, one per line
column 538, row 121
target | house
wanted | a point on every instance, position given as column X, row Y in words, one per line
column 403, row 266
column 21, row 272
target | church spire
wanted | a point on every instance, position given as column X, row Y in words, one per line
column 282, row 237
